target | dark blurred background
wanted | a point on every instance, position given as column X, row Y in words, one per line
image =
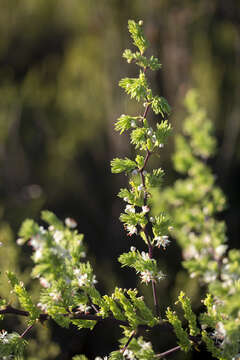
column 60, row 63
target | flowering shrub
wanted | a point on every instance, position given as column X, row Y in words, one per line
column 69, row 292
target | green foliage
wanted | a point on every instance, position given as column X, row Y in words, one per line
column 28, row 229
column 160, row 106
column 11, row 345
column 69, row 295
column 193, row 202
column 152, row 63
column 182, row 335
column 211, row 346
column 24, row 297
column 126, row 122
column 137, row 35
column 79, row 357
column 120, row 165
column 137, row 88
column 143, row 264
column 125, row 305
column 189, row 314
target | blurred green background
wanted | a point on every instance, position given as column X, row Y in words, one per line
column 60, row 63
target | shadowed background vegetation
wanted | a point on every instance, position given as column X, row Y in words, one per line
column 60, row 63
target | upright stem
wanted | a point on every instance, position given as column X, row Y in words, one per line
column 150, row 247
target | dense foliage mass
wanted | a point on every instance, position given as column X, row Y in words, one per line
column 69, row 291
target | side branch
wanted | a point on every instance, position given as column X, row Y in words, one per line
column 168, row 352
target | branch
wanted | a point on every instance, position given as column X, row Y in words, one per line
column 168, row 352
column 26, row 330
column 150, row 248
column 134, row 333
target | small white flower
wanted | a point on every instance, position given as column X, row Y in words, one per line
column 154, row 138
column 146, row 276
column 129, row 354
column 20, row 241
column 160, row 276
column 130, row 209
column 133, row 248
column 44, row 282
column 3, row 334
column 220, row 331
column 131, row 230
column 190, row 253
column 145, row 256
column 94, row 280
column 146, row 345
column 134, row 172
column 126, row 199
column 83, row 308
column 150, row 132
column 133, row 124
column 38, row 254
column 42, row 306
column 140, row 187
column 56, row 296
column 210, row 276
column 71, row 223
column 58, row 235
column 161, row 146
column 51, row 228
column 162, row 241
column 152, row 219
column 82, row 280
column 36, row 242
column 3, row 337
column 42, row 230
column 220, row 250
column 145, row 209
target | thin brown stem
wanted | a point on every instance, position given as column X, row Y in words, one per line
column 26, row 330
column 146, row 111
column 129, row 340
column 168, row 352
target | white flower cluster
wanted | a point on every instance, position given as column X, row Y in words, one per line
column 59, row 249
column 153, row 137
column 162, row 241
column 37, row 242
column 131, row 230
column 71, row 223
column 55, row 295
column 46, row 284
column 4, row 337
column 130, row 209
column 229, row 278
column 147, row 276
column 83, row 308
column 145, row 256
column 84, row 279
column 42, row 307
column 129, row 354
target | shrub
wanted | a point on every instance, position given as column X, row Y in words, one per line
column 69, row 292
